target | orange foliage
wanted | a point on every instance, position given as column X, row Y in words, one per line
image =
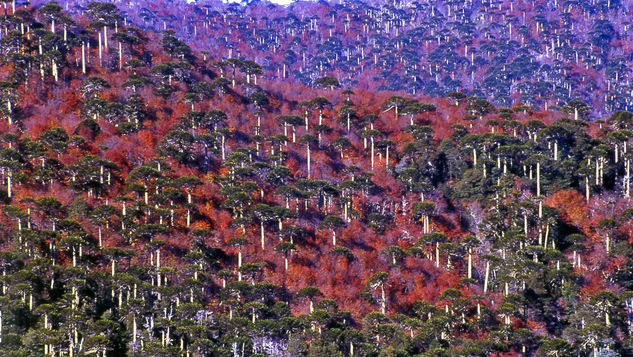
column 572, row 207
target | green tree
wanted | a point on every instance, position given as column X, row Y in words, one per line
column 578, row 107
column 310, row 293
column 333, row 223
column 396, row 103
column 327, row 82
column 285, row 248
column 308, row 140
column 377, row 281
column 263, row 213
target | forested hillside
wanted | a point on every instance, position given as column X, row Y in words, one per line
column 542, row 53
column 161, row 199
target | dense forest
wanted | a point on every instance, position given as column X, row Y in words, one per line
column 542, row 53
column 258, row 180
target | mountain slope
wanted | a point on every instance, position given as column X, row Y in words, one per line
column 162, row 201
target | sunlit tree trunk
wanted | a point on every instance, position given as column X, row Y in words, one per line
column 308, row 159
column 470, row 263
column 486, row 276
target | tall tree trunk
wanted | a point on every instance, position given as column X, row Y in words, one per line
column 83, row 57
column 239, row 263
column 105, row 37
column 486, row 277
column 383, row 301
column 470, row 263
column 538, row 179
column 627, row 163
column 9, row 175
column 372, row 152
column 587, row 188
column 308, row 159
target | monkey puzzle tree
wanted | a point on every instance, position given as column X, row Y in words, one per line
column 105, row 15
column 10, row 162
column 146, row 174
column 234, row 63
column 469, row 243
column 320, row 104
column 413, row 108
column 308, row 140
column 602, row 304
column 285, row 248
column 327, row 82
column 293, row 232
column 421, row 211
column 371, row 134
column 395, row 253
column 129, row 38
column 189, row 183
column 311, row 293
column 251, row 69
column 92, row 86
column 607, row 227
column 51, row 10
column 8, row 98
column 578, row 107
column 73, row 243
column 114, row 254
column 457, row 96
column 435, row 239
column 252, row 270
column 333, row 223
column 385, row 145
column 346, row 115
column 480, row 107
column 396, row 103
column 101, row 217
column 239, row 242
column 56, row 139
column 281, row 213
column 341, row 143
column 377, row 281
column 50, row 208
column 263, row 213
column 178, row 144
